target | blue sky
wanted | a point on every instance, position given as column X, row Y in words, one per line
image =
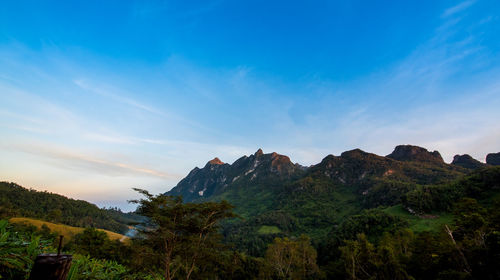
column 97, row 98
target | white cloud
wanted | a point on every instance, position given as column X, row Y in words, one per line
column 458, row 8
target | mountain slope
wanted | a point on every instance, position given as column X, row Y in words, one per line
column 67, row 231
column 216, row 177
column 16, row 201
column 278, row 198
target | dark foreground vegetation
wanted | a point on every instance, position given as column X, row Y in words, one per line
column 405, row 227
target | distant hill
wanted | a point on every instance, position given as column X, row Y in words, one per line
column 277, row 197
column 67, row 231
column 16, row 201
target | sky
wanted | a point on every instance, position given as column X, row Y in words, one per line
column 98, row 97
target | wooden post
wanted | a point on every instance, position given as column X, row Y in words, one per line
column 51, row 266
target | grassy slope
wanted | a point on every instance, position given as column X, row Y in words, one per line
column 418, row 224
column 268, row 230
column 67, row 231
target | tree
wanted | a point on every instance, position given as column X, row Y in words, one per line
column 54, row 215
column 96, row 244
column 291, row 259
column 180, row 235
column 359, row 257
column 91, row 242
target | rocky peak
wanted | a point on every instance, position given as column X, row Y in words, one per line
column 415, row 153
column 215, row 161
column 356, row 153
column 493, row 159
column 466, row 161
column 259, row 153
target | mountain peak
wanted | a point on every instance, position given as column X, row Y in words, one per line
column 415, row 153
column 466, row 161
column 493, row 159
column 353, row 153
column 215, row 161
column 259, row 152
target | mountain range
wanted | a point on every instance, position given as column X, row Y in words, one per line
column 276, row 197
column 406, row 163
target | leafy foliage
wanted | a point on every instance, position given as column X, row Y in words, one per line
column 441, row 197
column 68, row 232
column 86, row 268
column 181, row 236
column 368, row 217
column 17, row 252
column 290, row 259
column 96, row 244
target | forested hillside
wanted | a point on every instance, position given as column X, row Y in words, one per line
column 408, row 215
column 278, row 198
column 16, row 201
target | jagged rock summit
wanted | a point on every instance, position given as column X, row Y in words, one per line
column 415, row 153
column 217, row 176
column 493, row 159
column 261, row 172
column 215, row 161
column 466, row 161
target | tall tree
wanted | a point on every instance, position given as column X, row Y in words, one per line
column 291, row 259
column 181, row 235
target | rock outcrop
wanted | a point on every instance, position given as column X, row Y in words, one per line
column 415, row 153
column 493, row 159
column 466, row 161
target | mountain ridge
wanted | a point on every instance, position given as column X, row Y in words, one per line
column 216, row 176
column 269, row 191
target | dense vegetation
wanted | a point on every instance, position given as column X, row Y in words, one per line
column 316, row 200
column 16, row 201
column 181, row 241
column 357, row 216
column 68, row 232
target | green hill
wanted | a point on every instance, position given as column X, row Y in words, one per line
column 16, row 201
column 67, row 231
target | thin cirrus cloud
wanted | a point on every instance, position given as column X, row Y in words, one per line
column 120, row 96
column 458, row 8
column 71, row 159
column 130, row 122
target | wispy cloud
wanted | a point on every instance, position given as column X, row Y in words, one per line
column 119, row 95
column 119, row 98
column 458, row 8
column 72, row 160
column 150, row 122
column 425, row 99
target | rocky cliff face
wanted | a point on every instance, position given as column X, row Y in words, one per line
column 204, row 181
column 466, row 161
column 493, row 159
column 415, row 153
column 216, row 176
column 356, row 168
